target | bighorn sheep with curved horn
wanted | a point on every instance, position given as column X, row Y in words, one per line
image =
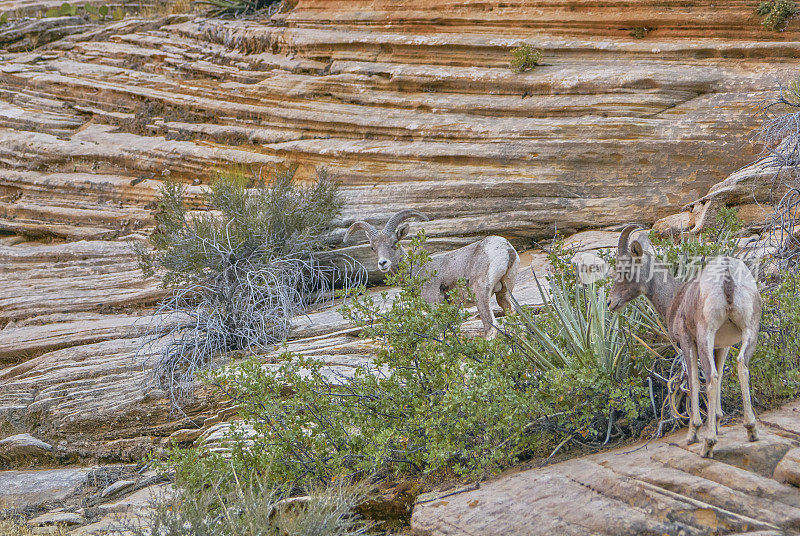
column 489, row 266
column 705, row 316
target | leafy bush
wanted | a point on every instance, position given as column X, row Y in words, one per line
column 251, row 506
column 593, row 370
column 776, row 13
column 775, row 366
column 435, row 402
column 238, row 275
column 433, row 399
column 525, row 58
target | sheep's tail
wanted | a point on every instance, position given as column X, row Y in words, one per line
column 728, row 286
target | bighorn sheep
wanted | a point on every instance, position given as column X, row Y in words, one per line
column 705, row 316
column 488, row 266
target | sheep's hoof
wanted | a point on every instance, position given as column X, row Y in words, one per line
column 752, row 433
column 708, row 449
column 491, row 334
column 691, row 437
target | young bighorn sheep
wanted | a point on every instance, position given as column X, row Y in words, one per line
column 489, row 266
column 705, row 316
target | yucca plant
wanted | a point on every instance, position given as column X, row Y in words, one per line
column 576, row 331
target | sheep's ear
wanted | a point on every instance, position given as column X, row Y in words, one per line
column 402, row 231
column 636, row 249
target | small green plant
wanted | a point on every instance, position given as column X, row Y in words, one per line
column 64, row 10
column 525, row 58
column 4, row 18
column 776, row 13
column 96, row 13
column 639, row 32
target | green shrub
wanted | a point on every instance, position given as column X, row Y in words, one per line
column 525, row 58
column 639, row 32
column 64, row 10
column 775, row 366
column 776, row 13
column 436, row 402
column 433, row 399
column 589, row 354
column 237, row 276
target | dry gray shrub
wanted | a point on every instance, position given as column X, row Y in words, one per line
column 780, row 136
column 239, row 273
column 254, row 507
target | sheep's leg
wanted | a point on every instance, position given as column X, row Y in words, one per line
column 504, row 300
column 749, row 337
column 705, row 351
column 485, row 312
column 695, row 421
column 507, row 285
column 720, row 355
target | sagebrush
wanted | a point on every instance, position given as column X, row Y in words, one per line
column 238, row 274
column 247, row 504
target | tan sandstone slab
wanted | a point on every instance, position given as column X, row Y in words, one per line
column 656, row 488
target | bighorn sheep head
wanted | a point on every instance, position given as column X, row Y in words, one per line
column 633, row 269
column 386, row 242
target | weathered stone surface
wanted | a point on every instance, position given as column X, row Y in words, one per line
column 116, row 488
column 655, row 488
column 22, row 489
column 788, row 469
column 58, row 518
column 675, row 224
column 24, row 449
column 595, row 135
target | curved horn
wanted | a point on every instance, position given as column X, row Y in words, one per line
column 397, row 219
column 360, row 226
column 624, row 236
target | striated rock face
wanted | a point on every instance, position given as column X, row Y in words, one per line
column 410, row 104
